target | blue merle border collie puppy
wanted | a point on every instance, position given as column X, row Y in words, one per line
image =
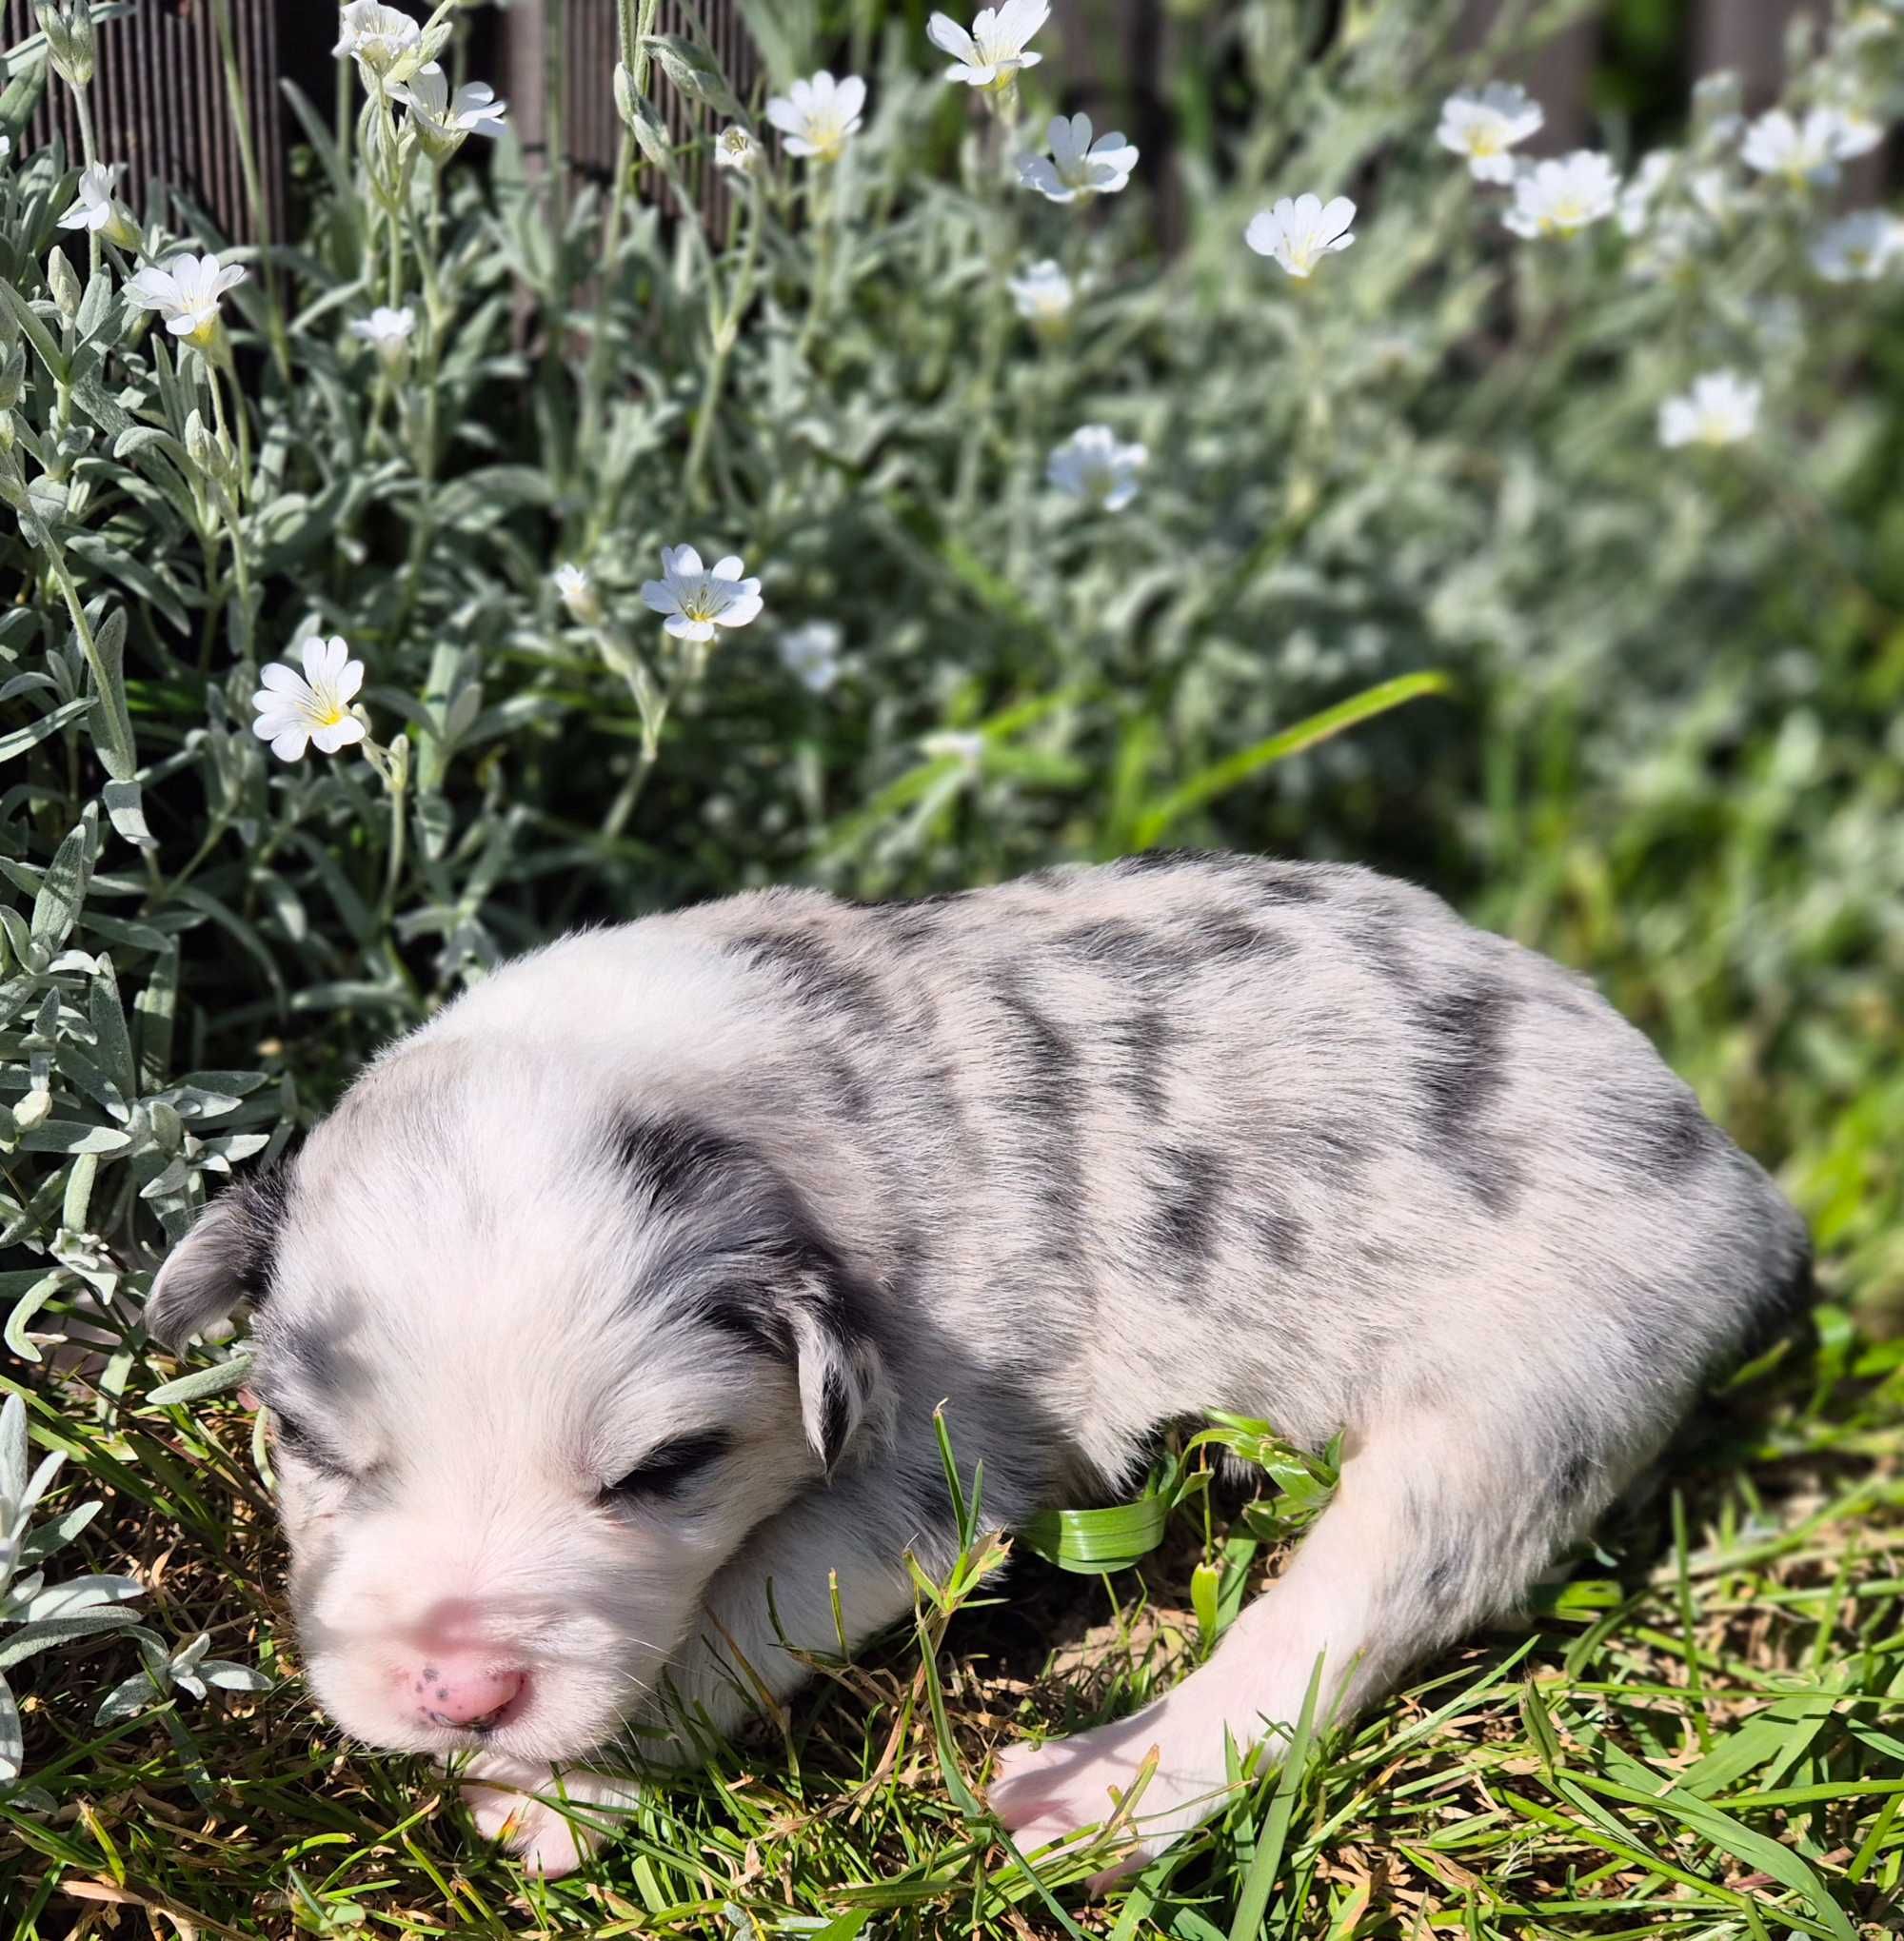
column 626, row 1289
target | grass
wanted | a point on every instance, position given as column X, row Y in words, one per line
column 1699, row 1734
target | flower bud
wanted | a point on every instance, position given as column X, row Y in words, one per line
column 577, row 589
column 63, row 285
column 213, row 455
column 67, row 26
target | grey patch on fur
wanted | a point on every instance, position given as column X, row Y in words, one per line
column 1463, row 1066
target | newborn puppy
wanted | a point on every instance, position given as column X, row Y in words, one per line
column 624, row 1290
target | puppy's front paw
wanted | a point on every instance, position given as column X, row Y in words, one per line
column 551, row 1824
column 1049, row 1795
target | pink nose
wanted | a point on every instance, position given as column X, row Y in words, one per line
column 464, row 1692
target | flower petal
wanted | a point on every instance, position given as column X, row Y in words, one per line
column 943, row 32
column 728, row 568
column 289, row 747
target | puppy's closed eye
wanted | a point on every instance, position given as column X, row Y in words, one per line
column 669, row 1467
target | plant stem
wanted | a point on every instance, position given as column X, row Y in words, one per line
column 89, row 151
column 116, row 739
column 393, row 862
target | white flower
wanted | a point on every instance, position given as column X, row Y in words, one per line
column 1809, row 150
column 96, row 209
column 1855, row 134
column 1858, row 248
column 816, row 116
column 578, row 593
column 1484, row 127
column 1044, row 294
column 186, row 293
column 388, row 331
column 697, row 599
column 1092, row 466
column 444, row 125
column 811, row 654
column 734, row 147
column 375, row 37
column 1561, row 196
column 1721, row 409
column 295, row 709
column 1300, row 234
column 993, row 53
column 1078, row 165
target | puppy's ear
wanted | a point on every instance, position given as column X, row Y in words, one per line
column 733, row 1239
column 226, row 1259
column 842, row 1377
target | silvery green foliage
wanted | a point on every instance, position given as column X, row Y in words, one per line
column 1437, row 452
column 35, row 1614
column 187, row 1670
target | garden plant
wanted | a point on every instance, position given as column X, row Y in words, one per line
column 503, row 551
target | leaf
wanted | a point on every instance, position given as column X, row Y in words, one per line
column 80, row 1598
column 23, row 739
column 12, row 1745
column 1268, row 1858
column 215, row 1380
column 1729, row 1836
column 1205, row 1581
column 64, row 886
column 45, row 1539
column 693, row 71
column 1095, row 1543
column 112, row 1042
column 225, row 1676
column 72, row 1136
column 21, row 1318
column 42, row 1636
column 154, row 1009
column 112, row 723
column 12, row 1449
column 1221, row 777
column 129, row 1697
column 38, row 336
